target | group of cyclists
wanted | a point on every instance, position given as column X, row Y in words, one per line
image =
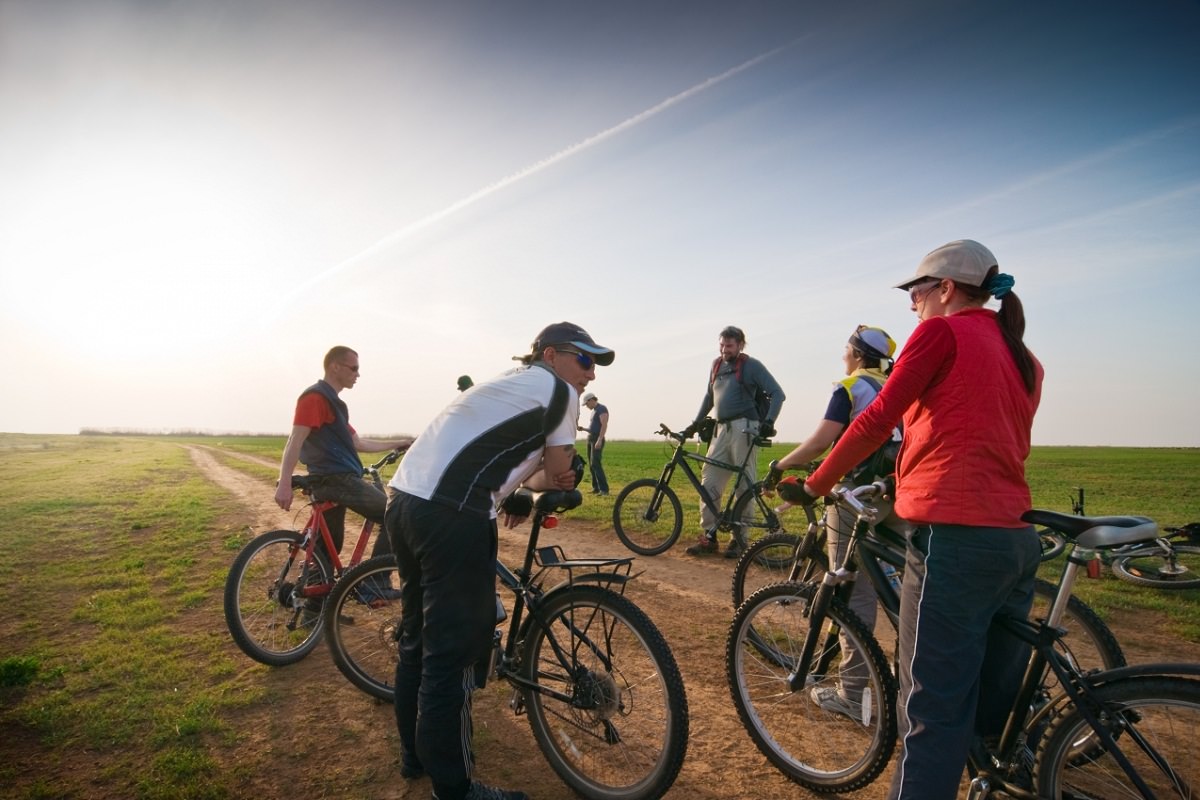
column 964, row 390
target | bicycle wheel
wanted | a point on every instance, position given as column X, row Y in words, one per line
column 1153, row 720
column 1089, row 643
column 609, row 711
column 265, row 620
column 647, row 517
column 1153, row 566
column 822, row 749
column 362, row 621
column 769, row 561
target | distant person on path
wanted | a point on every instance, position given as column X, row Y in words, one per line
column 967, row 389
column 515, row 429
column 735, row 384
column 867, row 359
column 596, row 431
column 324, row 440
column 465, row 382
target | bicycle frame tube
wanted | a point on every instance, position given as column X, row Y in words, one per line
column 682, row 457
column 317, row 520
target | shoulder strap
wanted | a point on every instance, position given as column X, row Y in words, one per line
column 737, row 368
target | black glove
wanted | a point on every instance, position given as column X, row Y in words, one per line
column 518, row 504
column 579, row 465
column 774, row 473
column 792, row 490
column 690, row 430
column 766, row 429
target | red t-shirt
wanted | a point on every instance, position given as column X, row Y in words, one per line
column 313, row 411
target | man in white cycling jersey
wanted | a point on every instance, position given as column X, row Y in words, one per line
column 516, row 429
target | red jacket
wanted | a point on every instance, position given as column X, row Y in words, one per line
column 967, row 419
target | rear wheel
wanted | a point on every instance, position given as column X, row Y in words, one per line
column 769, row 561
column 609, row 712
column 757, row 515
column 363, row 626
column 647, row 517
column 267, row 618
column 1176, row 567
column 1153, row 720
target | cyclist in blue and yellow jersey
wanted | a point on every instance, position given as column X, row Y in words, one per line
column 868, row 360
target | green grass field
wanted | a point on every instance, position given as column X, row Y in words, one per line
column 116, row 552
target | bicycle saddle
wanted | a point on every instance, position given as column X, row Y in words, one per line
column 551, row 501
column 303, row 483
column 1095, row 532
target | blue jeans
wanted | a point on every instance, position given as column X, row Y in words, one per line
column 959, row 674
column 447, row 562
column 596, row 467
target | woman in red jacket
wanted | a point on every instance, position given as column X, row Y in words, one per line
column 966, row 388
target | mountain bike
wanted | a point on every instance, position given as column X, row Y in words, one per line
column 604, row 696
column 792, row 629
column 880, row 550
column 276, row 588
column 648, row 517
column 1171, row 561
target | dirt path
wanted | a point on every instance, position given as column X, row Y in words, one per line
column 688, row 600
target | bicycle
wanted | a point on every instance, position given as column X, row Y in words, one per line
column 1171, row 561
column 648, row 517
column 779, row 643
column 276, row 588
column 787, row 557
column 603, row 693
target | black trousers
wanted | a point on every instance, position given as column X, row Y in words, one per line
column 447, row 562
column 351, row 491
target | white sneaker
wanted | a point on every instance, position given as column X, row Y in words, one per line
column 830, row 699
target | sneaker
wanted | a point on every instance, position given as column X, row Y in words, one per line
column 376, row 596
column 479, row 791
column 832, row 701
column 734, row 549
column 704, row 546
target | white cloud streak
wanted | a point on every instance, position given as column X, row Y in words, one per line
column 430, row 220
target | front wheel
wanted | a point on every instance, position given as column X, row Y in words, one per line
column 1176, row 566
column 1153, row 720
column 647, row 517
column 609, row 711
column 362, row 620
column 837, row 731
column 266, row 617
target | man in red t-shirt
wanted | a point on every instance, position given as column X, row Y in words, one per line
column 324, row 440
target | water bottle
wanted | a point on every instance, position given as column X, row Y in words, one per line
column 893, row 577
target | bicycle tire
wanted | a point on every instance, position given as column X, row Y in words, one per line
column 1161, row 710
column 257, row 599
column 362, row 626
column 769, row 561
column 1053, row 543
column 757, row 518
column 815, row 748
column 647, row 517
column 622, row 735
column 1089, row 644
column 1148, row 566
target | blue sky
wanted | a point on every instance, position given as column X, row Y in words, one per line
column 198, row 199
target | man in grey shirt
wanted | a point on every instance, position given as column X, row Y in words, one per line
column 735, row 386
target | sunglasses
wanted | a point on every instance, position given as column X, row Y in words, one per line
column 353, row 368
column 585, row 361
column 922, row 289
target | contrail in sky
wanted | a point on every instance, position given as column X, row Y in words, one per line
column 533, row 169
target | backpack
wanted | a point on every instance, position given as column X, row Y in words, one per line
column 762, row 400
column 882, row 462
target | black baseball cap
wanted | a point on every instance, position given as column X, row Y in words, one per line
column 570, row 334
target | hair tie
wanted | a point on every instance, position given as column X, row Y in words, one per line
column 999, row 284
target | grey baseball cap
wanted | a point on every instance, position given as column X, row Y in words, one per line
column 964, row 260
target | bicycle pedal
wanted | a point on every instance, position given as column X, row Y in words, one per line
column 517, row 702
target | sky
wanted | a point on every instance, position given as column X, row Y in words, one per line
column 198, row 199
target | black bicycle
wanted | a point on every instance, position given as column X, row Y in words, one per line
column 785, row 625
column 603, row 693
column 648, row 517
column 1126, row 732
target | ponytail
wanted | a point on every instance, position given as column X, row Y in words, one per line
column 1011, row 319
